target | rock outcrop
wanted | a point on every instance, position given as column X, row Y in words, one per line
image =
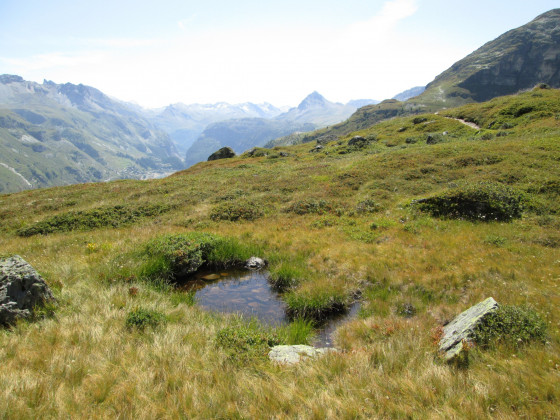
column 461, row 329
column 21, row 290
column 223, row 153
column 293, row 354
column 358, row 142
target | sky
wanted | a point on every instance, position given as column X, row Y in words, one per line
column 155, row 53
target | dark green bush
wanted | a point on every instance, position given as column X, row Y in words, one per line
column 141, row 318
column 512, row 325
column 368, row 206
column 482, row 201
column 419, row 120
column 246, row 341
column 237, row 210
column 115, row 216
column 309, row 206
column 170, row 256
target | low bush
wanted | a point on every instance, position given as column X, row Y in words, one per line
column 482, row 201
column 246, row 341
column 367, row 206
column 115, row 216
column 171, row 256
column 309, row 206
column 511, row 325
column 237, row 210
column 141, row 318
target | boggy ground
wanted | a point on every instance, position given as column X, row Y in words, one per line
column 334, row 224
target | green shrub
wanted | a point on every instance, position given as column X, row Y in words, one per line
column 141, row 318
column 237, row 210
column 115, row 216
column 309, row 206
column 367, row 206
column 246, row 341
column 169, row 256
column 483, row 201
column 512, row 325
column 419, row 120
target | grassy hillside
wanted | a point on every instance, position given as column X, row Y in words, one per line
column 341, row 222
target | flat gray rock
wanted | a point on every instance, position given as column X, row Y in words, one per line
column 462, row 328
column 21, row 290
column 293, row 354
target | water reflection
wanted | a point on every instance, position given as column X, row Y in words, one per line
column 249, row 293
column 244, row 292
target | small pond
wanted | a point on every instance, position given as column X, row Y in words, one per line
column 248, row 293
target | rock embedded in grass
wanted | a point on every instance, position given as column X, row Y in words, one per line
column 22, row 289
column 255, row 263
column 290, row 355
column 462, row 328
column 223, row 153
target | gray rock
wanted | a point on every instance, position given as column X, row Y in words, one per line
column 462, row 328
column 293, row 354
column 358, row 141
column 284, row 154
column 21, row 290
column 317, row 148
column 255, row 263
column 223, row 153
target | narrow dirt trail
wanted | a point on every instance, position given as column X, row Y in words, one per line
column 470, row 124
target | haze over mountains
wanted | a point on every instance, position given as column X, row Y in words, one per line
column 241, row 134
column 57, row 134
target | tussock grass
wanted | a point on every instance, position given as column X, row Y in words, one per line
column 83, row 362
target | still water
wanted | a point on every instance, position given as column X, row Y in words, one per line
column 248, row 293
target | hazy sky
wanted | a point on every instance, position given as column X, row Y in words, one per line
column 159, row 52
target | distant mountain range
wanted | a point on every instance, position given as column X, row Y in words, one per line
column 409, row 93
column 53, row 134
column 241, row 134
column 185, row 123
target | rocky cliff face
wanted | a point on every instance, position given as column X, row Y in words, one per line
column 517, row 60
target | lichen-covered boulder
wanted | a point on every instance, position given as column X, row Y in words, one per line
column 21, row 290
column 223, row 153
column 293, row 354
column 462, row 328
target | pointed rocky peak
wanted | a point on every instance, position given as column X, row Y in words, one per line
column 313, row 100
